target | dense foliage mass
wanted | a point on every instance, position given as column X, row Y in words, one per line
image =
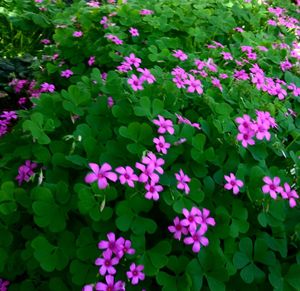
column 150, row 145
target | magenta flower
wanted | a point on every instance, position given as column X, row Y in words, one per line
column 261, row 129
column 182, row 180
column 153, row 191
column 246, row 138
column 146, row 76
column 133, row 31
column 164, row 125
column 206, row 219
column 161, row 144
column 192, row 218
column 114, row 39
column 146, row 12
column 89, row 287
column 91, row 60
column 227, row 56
column 151, row 159
column 25, row 172
column 135, row 273
column 66, row 73
column 182, row 119
column 178, row 228
column 290, row 194
column 233, row 183
column 127, row 176
column 286, row 65
column 112, row 244
column 126, row 249
column 4, row 284
column 245, row 123
column 110, row 285
column 133, row 60
column 135, row 83
column 107, row 263
column 147, row 173
column 240, row 75
column 8, row 115
column 272, row 186
column 194, row 85
column 101, row 174
column 78, row 34
column 197, row 239
column 179, row 54
column 46, row 87
column 110, row 102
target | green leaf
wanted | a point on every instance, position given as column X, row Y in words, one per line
column 240, row 260
column 292, row 277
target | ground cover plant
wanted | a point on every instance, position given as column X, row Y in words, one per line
column 154, row 145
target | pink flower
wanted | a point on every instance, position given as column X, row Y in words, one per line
column 227, row 56
column 233, row 183
column 194, row 85
column 261, row 130
column 146, row 12
column 206, row 219
column 246, row 138
column 197, row 239
column 101, row 175
column 135, row 273
column 146, row 76
column 45, row 87
column 285, row 65
column 91, row 60
column 110, row 285
column 179, row 54
column 182, row 180
column 114, row 39
column 240, row 75
column 112, row 244
column 133, row 60
column 178, row 228
column 216, row 82
column 152, row 160
column 192, row 218
column 45, row 41
column 239, row 29
column 290, row 194
column 94, row 4
column 161, row 144
column 165, row 125
column 223, row 76
column 126, row 249
column 182, row 119
column 127, row 176
column 147, row 173
column 107, row 263
column 135, row 83
column 78, row 34
column 66, row 73
column 245, row 123
column 272, row 186
column 110, row 102
column 134, row 31
column 153, row 191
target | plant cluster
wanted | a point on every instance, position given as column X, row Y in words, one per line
column 153, row 146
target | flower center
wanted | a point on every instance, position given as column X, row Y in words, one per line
column 107, row 263
column 178, row 227
column 126, row 176
column 135, row 273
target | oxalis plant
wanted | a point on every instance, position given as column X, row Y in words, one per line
column 156, row 148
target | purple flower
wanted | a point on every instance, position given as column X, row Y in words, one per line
column 233, row 183
column 197, row 239
column 192, row 218
column 152, row 160
column 127, row 176
column 178, row 228
column 194, row 85
column 107, row 263
column 8, row 115
column 126, row 249
column 66, row 73
column 182, row 180
column 179, row 54
column 78, row 34
column 290, row 194
column 133, row 31
column 91, row 60
column 206, row 219
column 133, row 60
column 112, row 244
column 135, row 83
column 246, row 138
column 110, row 285
column 165, row 125
column 4, row 284
column 147, row 172
column 146, row 76
column 161, row 145
column 88, row 287
column 46, row 87
column 153, row 191
column 135, row 273
column 101, row 174
column 25, row 172
column 272, row 186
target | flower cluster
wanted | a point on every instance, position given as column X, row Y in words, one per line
column 272, row 187
column 259, row 128
column 114, row 249
column 114, row 39
column 194, row 225
column 5, row 119
column 25, row 172
column 3, row 284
